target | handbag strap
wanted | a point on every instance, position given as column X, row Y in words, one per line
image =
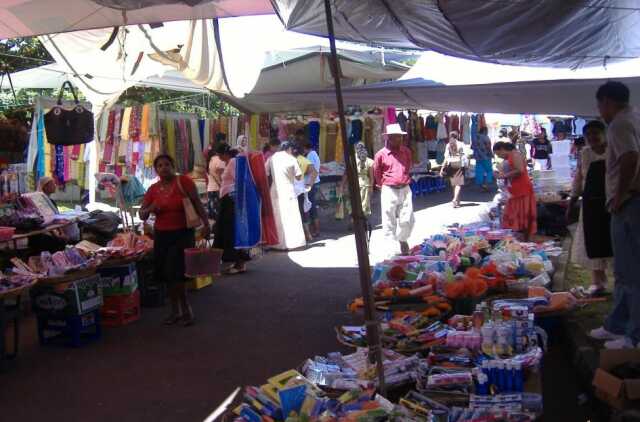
column 184, row 195
column 73, row 91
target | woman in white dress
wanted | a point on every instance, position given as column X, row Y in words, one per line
column 590, row 177
column 283, row 169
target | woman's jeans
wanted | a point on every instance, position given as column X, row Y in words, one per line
column 624, row 318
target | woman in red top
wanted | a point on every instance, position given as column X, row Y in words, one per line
column 520, row 211
column 171, row 235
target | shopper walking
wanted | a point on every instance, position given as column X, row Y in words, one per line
column 541, row 151
column 520, row 210
column 303, row 187
column 217, row 163
column 391, row 168
column 283, row 169
column 364, row 167
column 225, row 237
column 314, row 158
column 171, row 235
column 484, row 159
column 622, row 325
column 454, row 166
column 592, row 241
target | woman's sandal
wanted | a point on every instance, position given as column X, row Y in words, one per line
column 172, row 319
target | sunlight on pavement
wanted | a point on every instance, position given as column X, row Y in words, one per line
column 341, row 252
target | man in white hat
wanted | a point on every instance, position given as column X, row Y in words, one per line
column 391, row 172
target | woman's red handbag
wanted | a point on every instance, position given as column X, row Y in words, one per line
column 202, row 260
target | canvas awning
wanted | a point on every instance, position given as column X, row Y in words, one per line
column 562, row 97
column 20, row 18
column 300, row 69
column 560, row 33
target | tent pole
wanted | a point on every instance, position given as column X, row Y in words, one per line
column 359, row 220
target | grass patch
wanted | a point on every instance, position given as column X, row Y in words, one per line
column 591, row 315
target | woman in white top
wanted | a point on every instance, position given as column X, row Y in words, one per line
column 218, row 159
column 453, row 166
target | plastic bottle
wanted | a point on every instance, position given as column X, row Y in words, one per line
column 518, row 378
column 509, row 378
column 478, row 318
column 488, row 333
column 500, row 376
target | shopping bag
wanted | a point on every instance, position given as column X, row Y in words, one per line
column 193, row 219
column 203, row 260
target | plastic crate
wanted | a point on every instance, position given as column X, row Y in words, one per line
column 198, row 283
column 152, row 294
column 120, row 310
column 75, row 298
column 70, row 331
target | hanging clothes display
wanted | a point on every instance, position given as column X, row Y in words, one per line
column 332, row 139
column 442, row 132
column 355, row 134
column 314, row 134
column 466, row 129
column 248, row 231
column 339, row 148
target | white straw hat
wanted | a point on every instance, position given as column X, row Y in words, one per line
column 394, row 129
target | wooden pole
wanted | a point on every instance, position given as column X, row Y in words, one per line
column 359, row 220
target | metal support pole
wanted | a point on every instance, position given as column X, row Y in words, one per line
column 359, row 220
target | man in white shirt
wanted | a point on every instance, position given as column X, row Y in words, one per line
column 313, row 156
column 622, row 326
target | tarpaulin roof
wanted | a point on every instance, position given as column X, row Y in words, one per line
column 19, row 18
column 562, row 97
column 561, row 33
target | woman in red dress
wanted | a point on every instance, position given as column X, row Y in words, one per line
column 171, row 235
column 520, row 211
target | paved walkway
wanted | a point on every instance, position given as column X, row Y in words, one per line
column 249, row 328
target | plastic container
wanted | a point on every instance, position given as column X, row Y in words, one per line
column 6, row 233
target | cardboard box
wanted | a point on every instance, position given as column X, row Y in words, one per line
column 75, row 298
column 619, row 393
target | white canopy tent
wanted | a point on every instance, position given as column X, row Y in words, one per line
column 292, row 70
column 562, row 97
column 19, row 18
column 51, row 76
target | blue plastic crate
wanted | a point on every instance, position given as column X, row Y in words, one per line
column 70, row 330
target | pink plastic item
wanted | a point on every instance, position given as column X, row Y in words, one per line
column 202, row 261
column 6, row 233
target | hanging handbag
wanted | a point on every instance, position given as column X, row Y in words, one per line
column 192, row 217
column 68, row 127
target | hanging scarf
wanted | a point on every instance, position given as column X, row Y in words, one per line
column 126, row 119
column 134, row 124
column 268, row 221
column 248, row 231
column 144, row 123
column 253, row 137
column 339, row 149
column 171, row 138
column 58, row 167
column 40, row 156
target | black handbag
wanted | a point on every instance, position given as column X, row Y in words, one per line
column 68, row 127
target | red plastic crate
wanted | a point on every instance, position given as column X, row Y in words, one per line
column 121, row 310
